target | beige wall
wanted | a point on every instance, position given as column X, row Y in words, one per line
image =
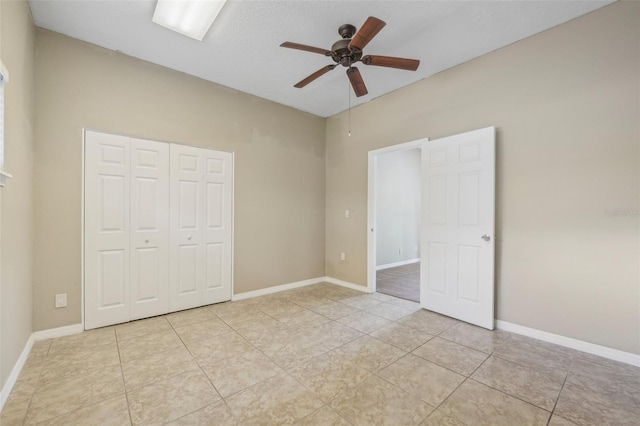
column 566, row 104
column 279, row 163
column 18, row 55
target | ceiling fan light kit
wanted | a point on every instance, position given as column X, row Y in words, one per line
column 191, row 18
column 348, row 51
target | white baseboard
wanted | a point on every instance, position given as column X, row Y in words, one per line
column 36, row 336
column 347, row 284
column 15, row 372
column 58, row 332
column 277, row 289
column 401, row 263
column 297, row 284
column 591, row 348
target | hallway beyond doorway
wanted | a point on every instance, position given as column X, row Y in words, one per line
column 400, row 281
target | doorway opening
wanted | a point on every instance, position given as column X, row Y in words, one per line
column 456, row 221
column 394, row 220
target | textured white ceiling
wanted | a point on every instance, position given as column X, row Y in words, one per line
column 242, row 50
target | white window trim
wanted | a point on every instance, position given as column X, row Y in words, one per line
column 4, row 74
column 4, row 78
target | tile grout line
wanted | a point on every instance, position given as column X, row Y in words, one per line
column 463, row 382
column 560, row 393
column 513, row 396
column 172, row 376
column 458, row 387
column 124, row 385
column 465, row 377
column 46, row 357
column 201, row 370
column 223, row 399
column 323, row 405
column 97, row 402
column 501, row 391
column 205, row 374
column 283, row 371
column 312, row 392
column 258, row 349
column 439, row 365
column 447, row 398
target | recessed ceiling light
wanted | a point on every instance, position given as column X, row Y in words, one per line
column 192, row 18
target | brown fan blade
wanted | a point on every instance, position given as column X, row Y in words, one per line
column 391, row 62
column 306, row 48
column 357, row 82
column 313, row 76
column 368, row 31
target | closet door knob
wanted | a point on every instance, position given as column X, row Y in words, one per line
column 146, row 241
column 189, row 237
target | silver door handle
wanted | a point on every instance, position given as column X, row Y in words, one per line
column 189, row 238
column 486, row 237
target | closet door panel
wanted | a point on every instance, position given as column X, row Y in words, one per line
column 186, row 210
column 218, row 223
column 107, row 229
column 149, row 290
column 188, row 280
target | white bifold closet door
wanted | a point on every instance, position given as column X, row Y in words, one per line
column 157, row 228
column 200, row 227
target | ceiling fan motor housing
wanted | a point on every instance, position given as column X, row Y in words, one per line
column 340, row 51
column 346, row 30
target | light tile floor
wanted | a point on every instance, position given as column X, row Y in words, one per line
column 318, row 355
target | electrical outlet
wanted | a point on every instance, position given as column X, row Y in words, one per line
column 343, row 256
column 61, row 300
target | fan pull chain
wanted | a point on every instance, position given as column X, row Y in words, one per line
column 349, row 96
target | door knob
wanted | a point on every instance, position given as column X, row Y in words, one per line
column 486, row 237
column 146, row 241
column 189, row 237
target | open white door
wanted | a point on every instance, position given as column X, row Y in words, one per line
column 458, row 208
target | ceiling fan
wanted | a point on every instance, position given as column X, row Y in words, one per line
column 348, row 51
